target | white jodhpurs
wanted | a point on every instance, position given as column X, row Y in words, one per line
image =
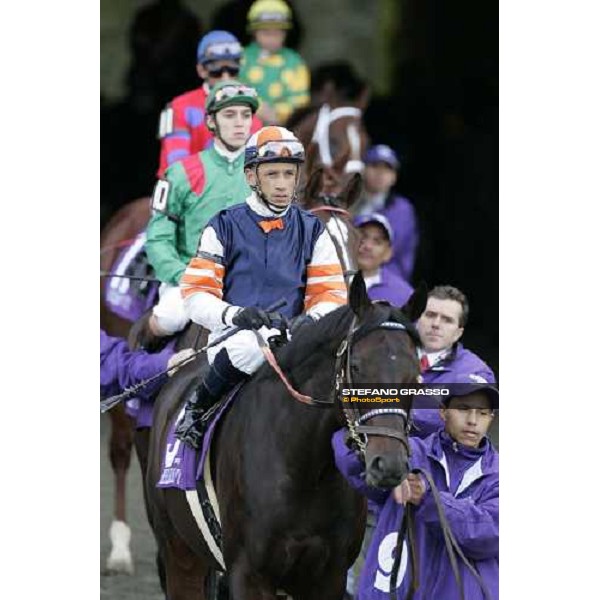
column 242, row 347
column 170, row 310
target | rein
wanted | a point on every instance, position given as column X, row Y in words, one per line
column 330, row 206
column 452, row 548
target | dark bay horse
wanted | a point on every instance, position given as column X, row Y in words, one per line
column 289, row 520
column 118, row 233
column 122, row 228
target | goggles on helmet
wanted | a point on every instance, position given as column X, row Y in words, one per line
column 281, row 149
column 231, row 91
column 222, row 49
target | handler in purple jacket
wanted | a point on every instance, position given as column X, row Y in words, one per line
column 464, row 466
column 381, row 173
column 443, row 358
column 374, row 254
column 121, row 368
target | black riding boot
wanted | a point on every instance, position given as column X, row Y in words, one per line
column 221, row 378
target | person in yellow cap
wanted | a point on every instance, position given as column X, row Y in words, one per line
column 279, row 74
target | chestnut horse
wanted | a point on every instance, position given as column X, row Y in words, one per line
column 118, row 233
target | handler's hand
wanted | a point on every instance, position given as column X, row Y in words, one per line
column 412, row 490
column 177, row 358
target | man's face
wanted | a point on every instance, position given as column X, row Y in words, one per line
column 374, row 248
column 270, row 40
column 379, row 178
column 439, row 325
column 277, row 181
column 234, row 125
column 468, row 418
column 218, row 70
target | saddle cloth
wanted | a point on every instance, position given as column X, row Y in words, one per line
column 129, row 298
column 182, row 467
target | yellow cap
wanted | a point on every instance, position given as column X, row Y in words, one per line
column 269, row 14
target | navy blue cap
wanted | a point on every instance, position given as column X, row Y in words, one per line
column 463, row 385
column 382, row 153
column 375, row 218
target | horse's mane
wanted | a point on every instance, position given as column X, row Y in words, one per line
column 321, row 337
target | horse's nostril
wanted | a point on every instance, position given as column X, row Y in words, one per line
column 378, row 464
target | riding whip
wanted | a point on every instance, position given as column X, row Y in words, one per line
column 108, row 403
column 132, row 277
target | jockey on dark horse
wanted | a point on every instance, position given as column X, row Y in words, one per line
column 193, row 190
column 250, row 256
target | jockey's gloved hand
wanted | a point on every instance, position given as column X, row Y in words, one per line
column 278, row 321
column 251, row 318
column 299, row 321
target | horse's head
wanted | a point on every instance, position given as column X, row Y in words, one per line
column 335, row 140
column 333, row 211
column 338, row 143
column 381, row 349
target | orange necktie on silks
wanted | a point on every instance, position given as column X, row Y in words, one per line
column 267, row 226
column 424, row 363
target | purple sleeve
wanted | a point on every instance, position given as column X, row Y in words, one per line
column 352, row 468
column 475, row 525
column 121, row 368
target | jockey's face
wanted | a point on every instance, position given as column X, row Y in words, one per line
column 439, row 325
column 379, row 178
column 468, row 418
column 374, row 249
column 234, row 125
column 218, row 70
column 271, row 40
column 277, row 181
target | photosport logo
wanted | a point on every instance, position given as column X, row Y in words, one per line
column 380, row 395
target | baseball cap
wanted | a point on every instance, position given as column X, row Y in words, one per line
column 463, row 385
column 375, row 218
column 382, row 153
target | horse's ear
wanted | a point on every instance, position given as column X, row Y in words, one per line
column 314, row 186
column 352, row 191
column 359, row 299
column 416, row 304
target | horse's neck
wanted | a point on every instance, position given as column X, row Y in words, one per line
column 301, row 434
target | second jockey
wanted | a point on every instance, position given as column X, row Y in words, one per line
column 183, row 128
column 250, row 256
column 192, row 192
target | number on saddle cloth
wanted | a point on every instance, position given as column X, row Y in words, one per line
column 131, row 298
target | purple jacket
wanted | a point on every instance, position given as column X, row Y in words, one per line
column 468, row 481
column 121, row 368
column 391, row 288
column 459, row 362
column 401, row 215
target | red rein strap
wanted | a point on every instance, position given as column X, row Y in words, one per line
column 275, row 366
column 333, row 209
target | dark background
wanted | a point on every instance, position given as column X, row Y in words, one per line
column 441, row 115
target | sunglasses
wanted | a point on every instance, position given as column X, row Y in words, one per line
column 218, row 71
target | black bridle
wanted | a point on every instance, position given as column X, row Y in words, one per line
column 356, row 420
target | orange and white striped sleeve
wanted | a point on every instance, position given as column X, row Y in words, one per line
column 325, row 286
column 202, row 284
